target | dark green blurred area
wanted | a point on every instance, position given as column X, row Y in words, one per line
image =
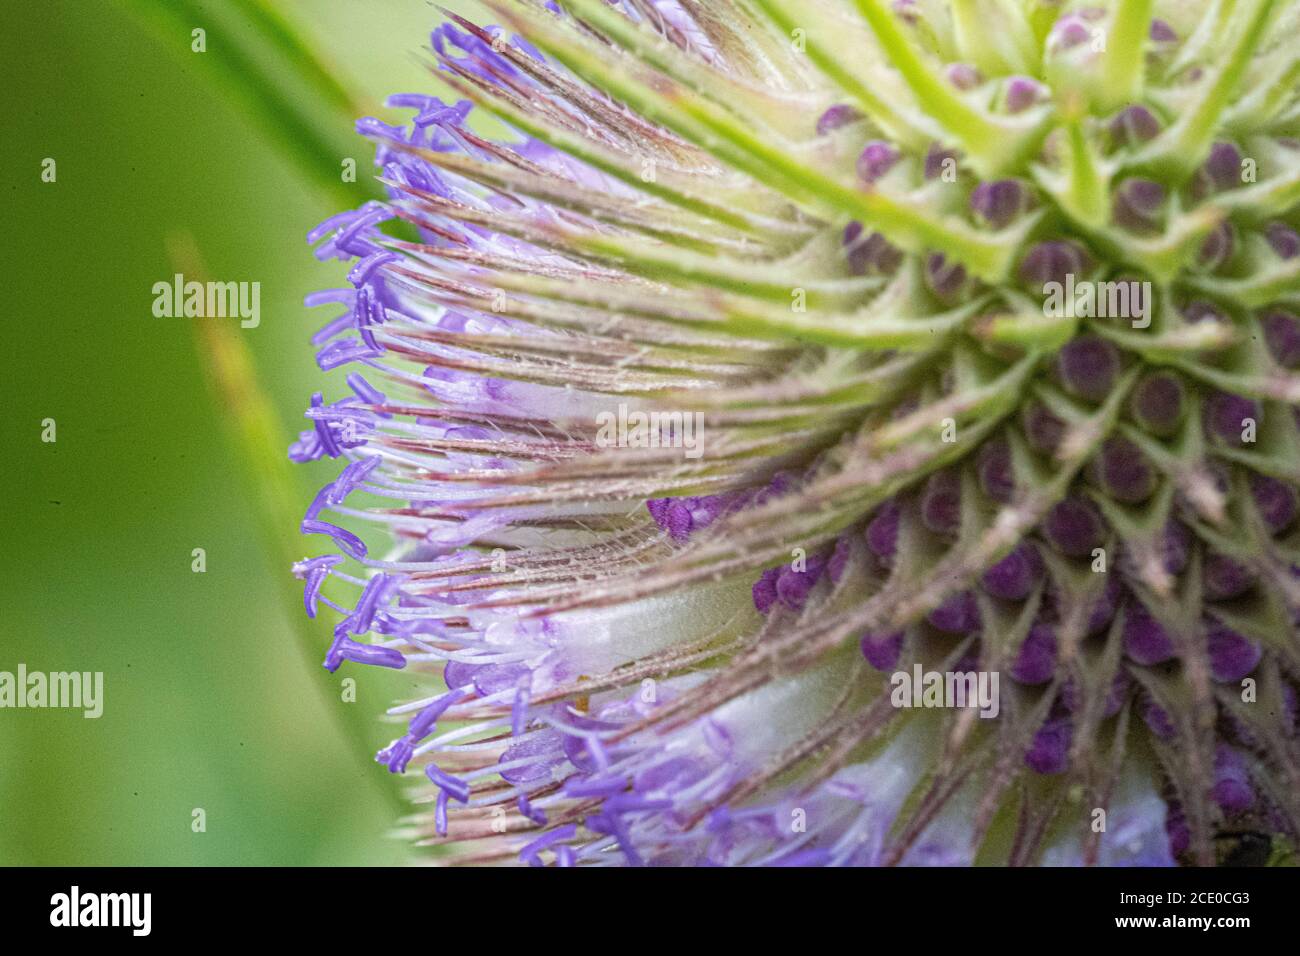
column 209, row 700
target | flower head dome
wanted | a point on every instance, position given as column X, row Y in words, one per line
column 787, row 357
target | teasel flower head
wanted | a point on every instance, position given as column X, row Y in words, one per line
column 784, row 351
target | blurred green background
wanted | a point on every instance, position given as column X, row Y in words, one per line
column 210, row 701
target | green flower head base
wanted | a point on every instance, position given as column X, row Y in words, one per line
column 830, row 432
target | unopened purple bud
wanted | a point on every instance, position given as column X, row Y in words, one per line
column 1036, row 661
column 906, row 11
column 938, row 160
column 959, row 614
column 1232, row 418
column 1050, row 751
column 1118, row 694
column 1015, row 576
column 941, row 503
column 1175, row 547
column 882, row 650
column 1282, row 333
column 1124, row 472
column 1088, row 367
column 1157, row 403
column 1068, row 32
column 1000, row 202
column 1133, row 125
column 1043, row 429
column 1284, row 240
column 1158, row 720
column 1162, row 32
column 1232, row 656
column 838, row 116
column 964, row 76
column 764, row 590
column 1232, row 787
column 794, row 585
column 677, row 520
column 1146, row 642
column 1221, row 170
column 1198, row 310
column 882, row 531
column 947, row 280
column 1223, row 579
column 1053, row 261
column 1072, row 697
column 1103, row 612
column 1138, row 204
column 871, row 253
column 996, row 476
column 839, row 559
column 1276, row 502
column 1216, row 248
column 1022, row 92
column 877, row 158
column 1177, row 829
column 1074, row 527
